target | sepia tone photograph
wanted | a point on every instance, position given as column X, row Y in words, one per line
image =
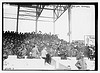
column 44, row 36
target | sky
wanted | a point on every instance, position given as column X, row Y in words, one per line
column 82, row 22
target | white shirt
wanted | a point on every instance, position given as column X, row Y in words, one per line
column 43, row 53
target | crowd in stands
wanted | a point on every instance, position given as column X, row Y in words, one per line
column 21, row 44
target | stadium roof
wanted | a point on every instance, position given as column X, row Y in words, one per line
column 37, row 8
column 58, row 10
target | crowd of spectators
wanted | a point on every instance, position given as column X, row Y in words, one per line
column 21, row 44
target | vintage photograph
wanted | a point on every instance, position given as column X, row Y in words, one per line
column 42, row 36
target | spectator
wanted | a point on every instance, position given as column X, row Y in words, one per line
column 81, row 64
column 48, row 58
column 44, row 53
column 35, row 52
column 79, row 55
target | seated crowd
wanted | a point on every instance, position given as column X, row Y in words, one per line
column 21, row 44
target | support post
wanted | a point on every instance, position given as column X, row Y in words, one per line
column 36, row 22
column 17, row 18
column 54, row 19
column 69, row 22
column 36, row 26
column 3, row 18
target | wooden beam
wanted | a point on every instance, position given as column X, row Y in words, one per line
column 34, row 16
column 27, row 19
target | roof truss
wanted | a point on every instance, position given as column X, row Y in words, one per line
column 58, row 9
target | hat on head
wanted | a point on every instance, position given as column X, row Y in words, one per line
column 82, row 56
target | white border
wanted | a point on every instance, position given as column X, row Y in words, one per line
column 47, row 1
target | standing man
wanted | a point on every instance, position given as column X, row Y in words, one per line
column 81, row 63
column 44, row 53
column 35, row 52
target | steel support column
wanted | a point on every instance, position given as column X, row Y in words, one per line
column 54, row 19
column 36, row 26
column 36, row 22
column 69, row 22
column 17, row 18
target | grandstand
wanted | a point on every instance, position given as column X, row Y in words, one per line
column 17, row 45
